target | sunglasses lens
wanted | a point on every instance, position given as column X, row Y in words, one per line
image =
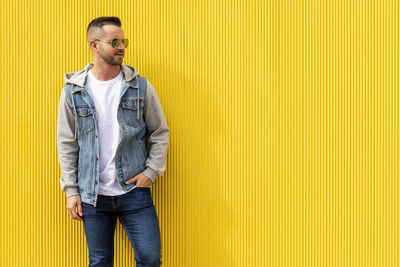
column 125, row 42
column 115, row 42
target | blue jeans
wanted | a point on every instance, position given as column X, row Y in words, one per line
column 138, row 217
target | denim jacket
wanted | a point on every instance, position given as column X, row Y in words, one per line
column 144, row 134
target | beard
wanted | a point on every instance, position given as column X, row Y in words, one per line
column 112, row 59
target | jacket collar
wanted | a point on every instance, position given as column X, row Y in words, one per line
column 79, row 77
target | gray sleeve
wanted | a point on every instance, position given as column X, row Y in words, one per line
column 158, row 134
column 67, row 147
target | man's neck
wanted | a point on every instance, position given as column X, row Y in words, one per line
column 105, row 72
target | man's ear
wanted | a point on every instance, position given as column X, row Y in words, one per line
column 93, row 45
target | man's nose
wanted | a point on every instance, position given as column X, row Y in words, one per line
column 121, row 46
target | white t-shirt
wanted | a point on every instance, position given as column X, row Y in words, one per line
column 105, row 95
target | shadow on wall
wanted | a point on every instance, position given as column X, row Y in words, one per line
column 195, row 219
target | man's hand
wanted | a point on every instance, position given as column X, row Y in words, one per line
column 141, row 180
column 73, row 203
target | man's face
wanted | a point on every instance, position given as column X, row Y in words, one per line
column 112, row 56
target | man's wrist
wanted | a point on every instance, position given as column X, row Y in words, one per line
column 152, row 175
column 72, row 191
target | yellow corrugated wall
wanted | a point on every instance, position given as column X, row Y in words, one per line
column 284, row 118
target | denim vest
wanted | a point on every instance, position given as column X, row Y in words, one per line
column 132, row 151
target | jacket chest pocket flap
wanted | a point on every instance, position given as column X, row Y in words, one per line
column 85, row 119
column 130, row 110
column 129, row 104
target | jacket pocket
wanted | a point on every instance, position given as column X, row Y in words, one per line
column 130, row 111
column 85, row 119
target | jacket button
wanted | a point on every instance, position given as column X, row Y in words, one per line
column 96, row 182
column 84, row 111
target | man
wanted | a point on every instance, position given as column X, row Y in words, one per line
column 112, row 141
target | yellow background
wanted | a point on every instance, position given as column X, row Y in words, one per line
column 284, row 118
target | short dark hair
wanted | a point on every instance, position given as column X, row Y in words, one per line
column 101, row 21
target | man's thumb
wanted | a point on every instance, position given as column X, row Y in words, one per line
column 80, row 209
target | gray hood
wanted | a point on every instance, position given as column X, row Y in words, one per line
column 79, row 77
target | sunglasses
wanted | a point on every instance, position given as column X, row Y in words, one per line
column 115, row 42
